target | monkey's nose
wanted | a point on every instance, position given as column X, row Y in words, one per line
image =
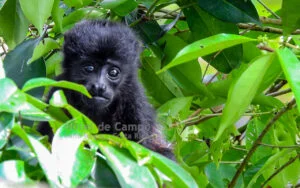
column 97, row 89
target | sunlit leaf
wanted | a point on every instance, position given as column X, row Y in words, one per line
column 206, row 46
column 109, row 4
column 77, row 3
column 42, row 8
column 270, row 162
column 13, row 171
column 57, row 13
column 243, row 91
column 125, row 168
column 175, row 174
column 74, row 162
column 290, row 16
column 13, row 23
column 59, row 100
column 6, row 123
column 46, row 161
column 291, row 68
column 41, row 82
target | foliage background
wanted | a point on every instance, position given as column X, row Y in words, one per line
column 224, row 76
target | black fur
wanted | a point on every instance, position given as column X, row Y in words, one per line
column 97, row 43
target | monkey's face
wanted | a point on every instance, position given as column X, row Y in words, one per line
column 101, row 80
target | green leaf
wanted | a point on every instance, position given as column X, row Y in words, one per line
column 44, row 47
column 16, row 67
column 157, row 86
column 149, row 30
column 126, row 168
column 109, row 4
column 203, row 25
column 32, row 8
column 57, row 14
column 174, row 173
column 103, row 174
column 41, row 82
column 290, row 16
column 14, row 101
column 6, row 123
column 125, row 8
column 243, row 91
column 13, row 171
column 59, row 100
column 190, row 83
column 74, row 162
column 291, row 68
column 174, row 108
column 46, row 161
column 8, row 88
column 231, row 10
column 13, row 23
column 2, row 2
column 77, row 3
column 268, row 165
column 82, row 13
column 271, row 75
column 206, row 46
column 53, row 65
column 254, row 129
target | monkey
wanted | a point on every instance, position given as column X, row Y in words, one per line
column 104, row 57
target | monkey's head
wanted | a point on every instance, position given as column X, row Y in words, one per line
column 103, row 56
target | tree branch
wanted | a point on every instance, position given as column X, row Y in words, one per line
column 277, row 93
column 264, row 29
column 258, row 141
column 280, row 169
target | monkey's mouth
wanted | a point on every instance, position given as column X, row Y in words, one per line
column 100, row 98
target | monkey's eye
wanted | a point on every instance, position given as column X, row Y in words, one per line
column 89, row 68
column 113, row 73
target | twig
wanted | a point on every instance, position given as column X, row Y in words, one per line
column 247, row 30
column 198, row 119
column 273, row 146
column 277, row 86
column 230, row 162
column 208, row 64
column 258, row 141
column 268, row 9
column 151, row 7
column 296, row 47
column 3, row 48
column 280, row 169
column 212, row 78
column 239, row 149
column 266, row 20
column 277, row 93
column 148, row 137
column 264, row 29
column 266, row 48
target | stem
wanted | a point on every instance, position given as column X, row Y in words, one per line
column 258, row 141
column 277, row 93
column 280, row 169
column 151, row 8
column 266, row 20
column 264, row 29
column 273, row 146
column 268, row 9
